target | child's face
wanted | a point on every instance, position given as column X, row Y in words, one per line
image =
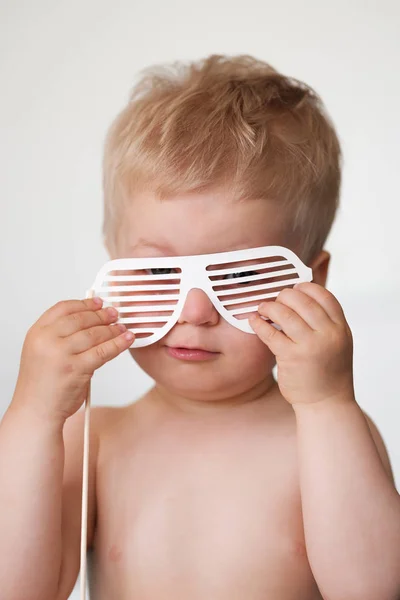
column 201, row 224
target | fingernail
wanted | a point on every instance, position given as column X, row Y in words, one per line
column 253, row 322
column 112, row 311
column 128, row 335
column 121, row 327
column 98, row 301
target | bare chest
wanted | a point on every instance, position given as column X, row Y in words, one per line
column 200, row 516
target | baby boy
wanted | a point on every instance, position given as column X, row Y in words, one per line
column 222, row 482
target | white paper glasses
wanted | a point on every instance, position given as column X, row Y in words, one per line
column 149, row 293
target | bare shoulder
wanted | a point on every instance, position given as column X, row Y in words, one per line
column 109, row 420
column 380, row 446
column 74, row 429
column 102, row 419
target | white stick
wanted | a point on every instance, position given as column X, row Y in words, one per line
column 85, row 478
column 85, row 494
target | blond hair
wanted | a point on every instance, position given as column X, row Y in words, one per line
column 233, row 122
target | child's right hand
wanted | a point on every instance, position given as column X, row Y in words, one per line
column 61, row 352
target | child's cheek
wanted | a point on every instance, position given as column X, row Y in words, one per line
column 248, row 351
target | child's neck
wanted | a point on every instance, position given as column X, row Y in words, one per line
column 265, row 391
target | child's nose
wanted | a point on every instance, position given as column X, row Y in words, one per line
column 198, row 309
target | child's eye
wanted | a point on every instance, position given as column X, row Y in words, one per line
column 241, row 274
column 165, row 271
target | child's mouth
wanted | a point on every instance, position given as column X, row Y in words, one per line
column 193, row 354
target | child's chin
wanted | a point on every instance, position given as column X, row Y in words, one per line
column 208, row 382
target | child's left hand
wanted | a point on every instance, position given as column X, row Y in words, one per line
column 314, row 350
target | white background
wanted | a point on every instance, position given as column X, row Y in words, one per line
column 66, row 68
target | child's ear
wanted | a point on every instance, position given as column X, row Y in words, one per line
column 320, row 266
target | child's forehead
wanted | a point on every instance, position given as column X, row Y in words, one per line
column 197, row 224
column 147, row 247
column 209, row 205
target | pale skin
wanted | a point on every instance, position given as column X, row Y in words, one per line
column 220, row 482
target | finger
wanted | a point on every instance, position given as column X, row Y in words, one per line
column 69, row 307
column 276, row 340
column 307, row 307
column 80, row 321
column 292, row 324
column 88, row 338
column 325, row 298
column 99, row 355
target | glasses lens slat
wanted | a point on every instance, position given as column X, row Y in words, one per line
column 145, row 299
column 241, row 286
